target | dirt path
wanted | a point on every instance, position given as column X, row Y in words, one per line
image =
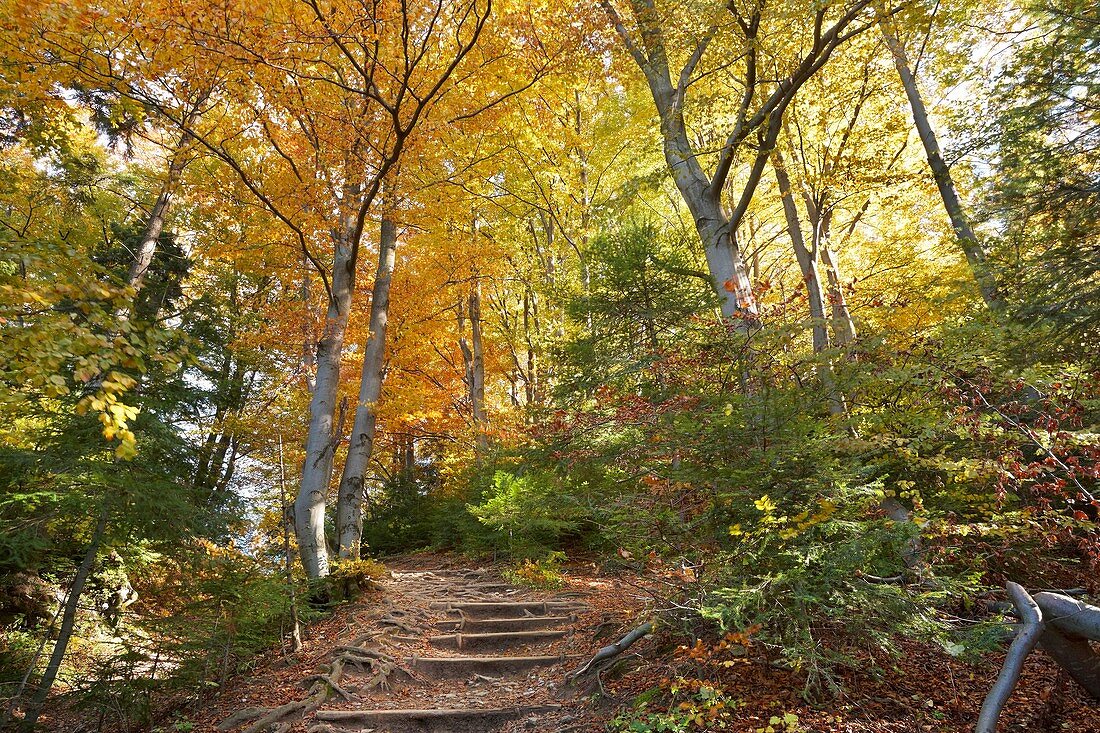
column 446, row 651
column 474, row 654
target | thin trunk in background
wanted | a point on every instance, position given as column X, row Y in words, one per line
column 68, row 619
column 158, row 215
column 296, row 631
column 941, row 172
column 349, row 505
column 477, row 364
column 807, row 258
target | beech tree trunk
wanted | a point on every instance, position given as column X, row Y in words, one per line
column 941, row 172
column 807, row 258
column 473, row 356
column 844, row 328
column 321, row 438
column 349, row 506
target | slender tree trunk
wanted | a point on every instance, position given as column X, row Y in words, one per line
column 821, row 219
column 68, row 620
column 941, row 172
column 844, row 328
column 807, row 264
column 349, row 507
column 807, row 258
column 477, row 364
column 530, row 384
column 321, row 438
column 154, row 225
column 295, row 631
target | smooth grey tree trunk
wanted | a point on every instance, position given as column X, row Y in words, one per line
column 844, row 328
column 1026, row 639
column 321, row 438
column 349, row 506
column 807, row 258
column 941, row 172
column 729, row 275
column 473, row 359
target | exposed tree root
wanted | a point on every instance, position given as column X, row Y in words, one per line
column 602, row 658
column 322, row 686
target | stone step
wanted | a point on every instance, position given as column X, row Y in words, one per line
column 463, row 667
column 506, row 609
column 490, row 625
column 495, row 641
column 438, row 720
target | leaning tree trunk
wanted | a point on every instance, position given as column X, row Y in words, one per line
column 349, row 507
column 941, row 172
column 68, row 620
column 154, row 225
column 807, row 258
column 321, row 438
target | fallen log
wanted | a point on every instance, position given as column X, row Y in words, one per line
column 1062, row 627
column 1070, row 625
column 1030, row 630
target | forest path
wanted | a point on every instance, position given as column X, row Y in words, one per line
column 459, row 651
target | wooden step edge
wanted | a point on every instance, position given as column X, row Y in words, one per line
column 388, row 715
column 449, row 624
column 458, row 604
column 504, row 635
column 541, row 659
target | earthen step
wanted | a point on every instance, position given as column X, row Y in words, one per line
column 497, row 641
column 506, row 609
column 462, row 667
column 439, row 720
column 490, row 625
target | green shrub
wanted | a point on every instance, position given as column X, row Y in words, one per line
column 544, row 573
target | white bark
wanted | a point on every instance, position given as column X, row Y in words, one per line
column 349, row 507
column 309, row 507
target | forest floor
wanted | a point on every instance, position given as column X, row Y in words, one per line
column 925, row 689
